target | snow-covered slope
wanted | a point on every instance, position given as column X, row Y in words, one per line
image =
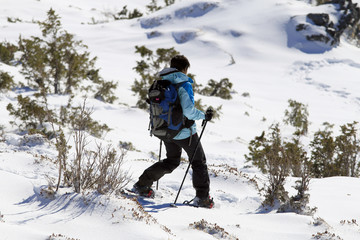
column 255, row 34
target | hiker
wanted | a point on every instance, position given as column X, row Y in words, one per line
column 186, row 139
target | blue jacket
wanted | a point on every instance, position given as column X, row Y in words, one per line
column 187, row 102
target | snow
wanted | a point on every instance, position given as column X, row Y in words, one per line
column 268, row 65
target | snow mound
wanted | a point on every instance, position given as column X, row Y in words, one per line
column 194, row 10
column 235, row 33
column 153, row 34
column 32, row 140
column 154, row 21
column 183, row 36
column 298, row 30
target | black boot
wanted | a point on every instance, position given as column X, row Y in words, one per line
column 143, row 191
column 204, row 202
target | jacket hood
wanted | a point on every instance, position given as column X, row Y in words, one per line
column 174, row 76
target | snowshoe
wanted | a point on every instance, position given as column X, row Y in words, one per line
column 143, row 191
column 201, row 202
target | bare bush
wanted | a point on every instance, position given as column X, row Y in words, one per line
column 60, row 237
column 103, row 170
column 213, row 229
column 99, row 169
column 80, row 144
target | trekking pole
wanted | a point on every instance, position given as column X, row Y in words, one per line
column 157, row 182
column 190, row 161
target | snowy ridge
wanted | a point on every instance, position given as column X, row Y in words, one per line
column 192, row 11
column 267, row 69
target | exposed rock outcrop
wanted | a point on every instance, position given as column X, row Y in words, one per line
column 320, row 30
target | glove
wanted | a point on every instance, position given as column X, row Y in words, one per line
column 209, row 114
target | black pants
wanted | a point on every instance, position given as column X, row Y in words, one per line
column 200, row 179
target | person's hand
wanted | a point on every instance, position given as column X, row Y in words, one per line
column 209, row 114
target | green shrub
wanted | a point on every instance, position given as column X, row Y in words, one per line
column 279, row 159
column 217, row 111
column 299, row 202
column 135, row 14
column 169, row 2
column 105, row 92
column 33, row 61
column 296, row 154
column 152, row 6
column 220, row 89
column 127, row 146
column 105, row 89
column 7, row 51
column 329, row 156
column 147, row 68
column 125, row 14
column 268, row 154
column 335, row 156
column 347, row 151
column 196, row 86
column 6, row 81
column 13, row 20
column 31, row 114
column 245, row 94
column 297, row 116
column 323, row 153
column 80, row 120
column 57, row 60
